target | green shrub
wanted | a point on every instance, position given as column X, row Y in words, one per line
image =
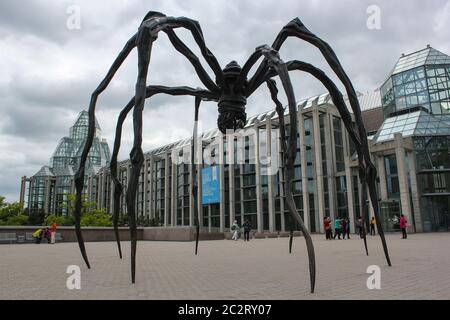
column 35, row 217
column 59, row 220
column 12, row 214
column 20, row 220
column 96, row 218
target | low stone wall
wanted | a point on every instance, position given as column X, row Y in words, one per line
column 264, row 235
column 180, row 234
column 95, row 234
column 90, row 234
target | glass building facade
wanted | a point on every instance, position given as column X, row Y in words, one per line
column 419, row 79
column 49, row 188
column 413, row 142
column 409, row 144
column 409, row 147
column 251, row 175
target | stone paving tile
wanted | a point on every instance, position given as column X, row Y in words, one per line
column 224, row 270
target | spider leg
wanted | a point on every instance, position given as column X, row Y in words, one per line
column 144, row 46
column 184, row 50
column 150, row 91
column 79, row 176
column 367, row 170
column 168, row 23
column 118, row 188
column 337, row 98
column 145, row 43
column 290, row 150
column 291, row 239
column 154, row 22
column 194, row 150
column 271, row 84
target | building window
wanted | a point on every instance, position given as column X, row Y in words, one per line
column 338, row 144
column 392, row 183
column 432, row 153
column 341, row 194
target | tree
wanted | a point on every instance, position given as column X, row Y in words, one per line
column 86, row 206
column 12, row 214
column 96, row 218
column 2, row 202
column 90, row 215
column 36, row 217
column 59, row 220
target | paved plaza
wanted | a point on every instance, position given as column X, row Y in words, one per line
column 261, row 269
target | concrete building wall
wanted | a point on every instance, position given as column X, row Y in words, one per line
column 269, row 127
column 317, row 196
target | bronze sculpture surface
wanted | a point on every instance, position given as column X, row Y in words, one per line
column 230, row 90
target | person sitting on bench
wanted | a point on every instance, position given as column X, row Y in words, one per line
column 48, row 235
column 37, row 235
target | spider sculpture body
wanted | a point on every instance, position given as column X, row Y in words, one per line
column 230, row 90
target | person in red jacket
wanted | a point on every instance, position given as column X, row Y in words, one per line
column 53, row 232
column 327, row 227
column 403, row 226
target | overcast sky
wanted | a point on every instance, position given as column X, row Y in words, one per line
column 48, row 71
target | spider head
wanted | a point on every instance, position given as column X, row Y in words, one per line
column 232, row 103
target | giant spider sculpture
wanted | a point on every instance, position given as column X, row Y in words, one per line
column 230, row 90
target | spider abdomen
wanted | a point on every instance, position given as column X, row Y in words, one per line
column 232, row 115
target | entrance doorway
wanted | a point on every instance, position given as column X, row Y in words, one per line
column 435, row 213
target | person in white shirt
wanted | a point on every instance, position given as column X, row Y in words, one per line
column 235, row 231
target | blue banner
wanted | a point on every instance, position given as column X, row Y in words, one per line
column 211, row 185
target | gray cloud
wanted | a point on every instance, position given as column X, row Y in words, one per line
column 48, row 71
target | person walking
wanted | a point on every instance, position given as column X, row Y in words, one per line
column 403, row 226
column 328, row 229
column 343, row 227
column 347, row 228
column 235, row 230
column 337, row 228
column 53, row 233
column 247, row 228
column 360, row 227
column 372, row 226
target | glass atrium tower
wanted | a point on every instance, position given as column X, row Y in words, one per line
column 50, row 186
column 413, row 143
column 418, row 79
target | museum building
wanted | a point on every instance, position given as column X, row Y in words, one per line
column 47, row 191
column 240, row 176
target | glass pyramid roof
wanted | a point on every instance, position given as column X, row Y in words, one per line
column 418, row 123
column 66, row 157
column 427, row 56
column 44, row 172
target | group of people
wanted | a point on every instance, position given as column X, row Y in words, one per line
column 236, row 230
column 403, row 223
column 341, row 227
column 47, row 233
column 372, row 225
